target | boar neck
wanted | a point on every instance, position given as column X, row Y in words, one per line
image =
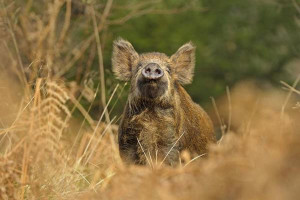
column 151, row 106
column 153, row 124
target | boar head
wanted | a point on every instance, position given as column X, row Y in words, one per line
column 153, row 76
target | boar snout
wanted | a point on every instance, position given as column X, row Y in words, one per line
column 152, row 71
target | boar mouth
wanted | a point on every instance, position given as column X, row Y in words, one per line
column 152, row 88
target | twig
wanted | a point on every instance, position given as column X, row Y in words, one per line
column 118, row 97
column 289, row 96
column 105, row 14
column 229, row 108
column 101, row 67
column 84, row 178
column 288, row 87
column 66, row 23
column 194, row 159
column 139, row 12
column 132, row 14
column 171, row 148
column 150, row 158
column 222, row 126
column 144, row 152
column 100, row 119
column 99, row 140
column 77, row 52
column 101, row 181
column 137, row 5
column 23, row 76
column 296, row 5
column 82, row 110
column 82, row 123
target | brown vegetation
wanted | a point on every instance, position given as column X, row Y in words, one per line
column 260, row 160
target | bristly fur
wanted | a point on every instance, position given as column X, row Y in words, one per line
column 160, row 119
column 123, row 58
column 184, row 61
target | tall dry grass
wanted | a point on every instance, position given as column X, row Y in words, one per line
column 47, row 153
column 257, row 159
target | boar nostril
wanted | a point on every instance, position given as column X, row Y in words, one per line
column 158, row 71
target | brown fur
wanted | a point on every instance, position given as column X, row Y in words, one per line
column 161, row 125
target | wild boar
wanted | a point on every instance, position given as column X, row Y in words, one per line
column 160, row 119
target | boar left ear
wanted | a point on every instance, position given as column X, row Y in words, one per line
column 184, row 63
column 123, row 59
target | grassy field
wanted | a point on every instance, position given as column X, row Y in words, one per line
column 54, row 146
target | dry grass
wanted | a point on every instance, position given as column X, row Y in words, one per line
column 259, row 159
column 47, row 153
column 40, row 156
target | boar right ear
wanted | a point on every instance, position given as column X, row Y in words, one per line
column 123, row 58
column 184, row 63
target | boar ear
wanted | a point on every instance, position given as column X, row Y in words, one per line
column 184, row 63
column 123, row 58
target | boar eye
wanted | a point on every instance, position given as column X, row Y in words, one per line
column 139, row 65
column 168, row 69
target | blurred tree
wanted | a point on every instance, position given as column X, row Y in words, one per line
column 236, row 40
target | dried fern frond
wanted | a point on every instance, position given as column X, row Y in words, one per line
column 49, row 117
column 9, row 178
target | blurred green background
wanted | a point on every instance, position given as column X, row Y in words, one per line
column 236, row 40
